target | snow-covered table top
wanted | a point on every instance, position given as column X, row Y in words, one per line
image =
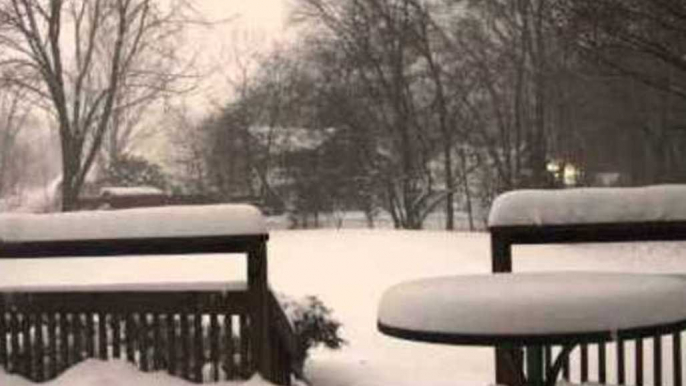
column 157, row 222
column 589, row 206
column 531, row 307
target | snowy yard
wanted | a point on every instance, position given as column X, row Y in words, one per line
column 350, row 269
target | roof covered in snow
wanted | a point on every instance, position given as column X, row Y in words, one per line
column 589, row 206
column 120, row 191
column 526, row 304
column 157, row 222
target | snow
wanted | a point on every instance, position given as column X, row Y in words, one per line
column 117, row 373
column 589, row 205
column 535, row 303
column 176, row 221
column 349, row 270
column 151, row 273
column 131, row 191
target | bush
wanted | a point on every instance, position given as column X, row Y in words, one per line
column 314, row 325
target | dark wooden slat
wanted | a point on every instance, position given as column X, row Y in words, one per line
column 214, row 346
column 130, row 337
column 185, row 346
column 158, row 349
column 198, row 354
column 171, row 344
column 27, row 345
column 548, row 354
column 102, row 335
column 126, row 302
column 143, row 342
column 657, row 360
column 602, row 369
column 565, row 368
column 621, row 373
column 14, row 342
column 229, row 348
column 131, row 247
column 64, row 341
column 77, row 331
column 90, row 335
column 638, row 365
column 53, row 367
column 676, row 358
column 116, row 336
column 586, row 233
column 245, row 367
column 40, row 348
column 4, row 329
column 584, row 363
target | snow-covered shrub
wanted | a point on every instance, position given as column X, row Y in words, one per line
column 314, row 325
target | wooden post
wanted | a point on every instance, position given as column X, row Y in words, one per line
column 259, row 310
column 507, row 359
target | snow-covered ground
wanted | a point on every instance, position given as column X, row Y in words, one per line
column 350, row 269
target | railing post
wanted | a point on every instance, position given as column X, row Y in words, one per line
column 259, row 310
column 507, row 359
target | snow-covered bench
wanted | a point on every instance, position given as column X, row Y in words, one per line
column 585, row 215
column 158, row 312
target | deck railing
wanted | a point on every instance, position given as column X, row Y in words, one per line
column 202, row 336
column 612, row 368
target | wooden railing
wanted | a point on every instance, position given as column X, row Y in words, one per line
column 201, row 336
column 610, row 368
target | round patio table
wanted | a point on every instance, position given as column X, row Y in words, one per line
column 534, row 310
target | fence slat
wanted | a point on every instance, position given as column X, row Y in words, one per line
column 171, row 344
column 143, row 341
column 52, row 345
column 229, row 348
column 64, row 341
column 129, row 337
column 27, row 345
column 198, row 355
column 676, row 358
column 158, row 349
column 40, row 348
column 90, row 335
column 657, row 360
column 638, row 354
column 214, row 346
column 77, row 328
column 602, row 370
column 584, row 363
column 116, row 336
column 245, row 367
column 620, row 363
column 3, row 336
column 185, row 346
column 102, row 335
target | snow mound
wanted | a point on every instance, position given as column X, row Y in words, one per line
column 589, row 206
column 177, row 221
column 94, row 372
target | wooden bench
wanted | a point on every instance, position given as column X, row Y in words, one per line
column 197, row 329
column 590, row 215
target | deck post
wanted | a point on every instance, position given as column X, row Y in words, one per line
column 259, row 310
column 507, row 359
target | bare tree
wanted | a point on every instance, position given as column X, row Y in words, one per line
column 79, row 56
column 14, row 116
